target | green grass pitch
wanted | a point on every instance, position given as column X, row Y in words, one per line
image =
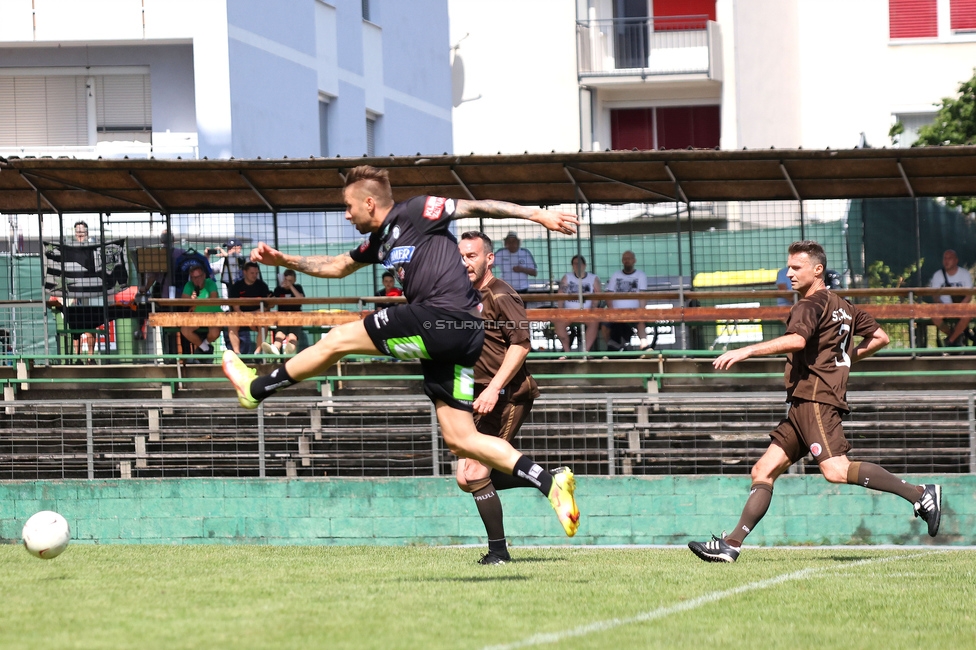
column 423, row 597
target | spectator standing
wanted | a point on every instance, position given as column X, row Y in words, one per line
column 81, row 234
column 250, row 286
column 229, row 266
column 201, row 287
column 629, row 279
column 514, row 264
column 579, row 281
column 952, row 275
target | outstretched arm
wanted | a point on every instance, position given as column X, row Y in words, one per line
column 321, row 266
column 779, row 345
column 554, row 220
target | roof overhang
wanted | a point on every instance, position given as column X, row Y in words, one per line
column 30, row 185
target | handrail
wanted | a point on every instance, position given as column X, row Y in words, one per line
column 898, row 311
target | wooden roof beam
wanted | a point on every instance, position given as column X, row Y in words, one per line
column 257, row 191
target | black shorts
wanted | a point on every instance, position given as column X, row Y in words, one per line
column 446, row 343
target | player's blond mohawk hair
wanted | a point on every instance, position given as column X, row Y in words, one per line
column 377, row 182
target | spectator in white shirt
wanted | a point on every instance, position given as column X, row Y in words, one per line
column 952, row 275
column 514, row 264
column 579, row 281
column 630, row 279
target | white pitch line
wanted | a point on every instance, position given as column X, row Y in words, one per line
column 694, row 603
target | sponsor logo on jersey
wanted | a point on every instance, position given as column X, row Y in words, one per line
column 364, row 245
column 816, row 449
column 839, row 315
column 434, row 207
column 400, row 255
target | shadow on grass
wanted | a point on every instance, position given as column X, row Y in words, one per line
column 475, row 579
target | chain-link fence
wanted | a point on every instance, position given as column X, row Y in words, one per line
column 702, row 246
column 635, row 434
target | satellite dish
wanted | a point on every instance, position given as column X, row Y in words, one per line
column 457, row 80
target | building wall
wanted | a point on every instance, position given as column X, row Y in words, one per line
column 520, row 57
column 618, row 510
column 258, row 68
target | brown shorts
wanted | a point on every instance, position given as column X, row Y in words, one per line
column 814, row 428
column 505, row 419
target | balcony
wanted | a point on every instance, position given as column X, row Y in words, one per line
column 648, row 49
column 163, row 145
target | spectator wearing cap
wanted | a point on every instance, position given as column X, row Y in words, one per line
column 514, row 264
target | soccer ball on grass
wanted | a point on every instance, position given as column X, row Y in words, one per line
column 46, row 535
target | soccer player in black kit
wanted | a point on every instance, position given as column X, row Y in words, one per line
column 440, row 325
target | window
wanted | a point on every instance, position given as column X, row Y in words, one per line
column 370, row 136
column 962, row 15
column 913, row 18
column 672, row 127
column 912, row 123
column 365, row 9
column 38, row 111
column 323, row 128
column 54, row 110
column 123, row 106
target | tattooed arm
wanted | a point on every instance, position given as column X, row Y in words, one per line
column 556, row 221
column 320, row 266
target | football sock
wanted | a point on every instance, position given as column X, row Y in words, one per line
column 269, row 384
column 498, row 546
column 875, row 477
column 204, row 346
column 760, row 494
column 534, row 474
column 490, row 509
column 503, row 481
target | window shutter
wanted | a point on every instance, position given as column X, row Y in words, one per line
column 123, row 103
column 40, row 111
column 962, row 15
column 913, row 18
column 370, row 136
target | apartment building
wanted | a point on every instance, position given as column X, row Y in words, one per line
column 671, row 74
column 222, row 78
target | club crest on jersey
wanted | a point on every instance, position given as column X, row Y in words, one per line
column 816, row 449
column 434, row 207
column 396, row 232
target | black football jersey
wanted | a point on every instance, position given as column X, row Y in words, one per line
column 415, row 244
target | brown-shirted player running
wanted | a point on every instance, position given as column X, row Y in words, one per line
column 820, row 349
column 504, row 389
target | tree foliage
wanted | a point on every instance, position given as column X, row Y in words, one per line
column 955, row 123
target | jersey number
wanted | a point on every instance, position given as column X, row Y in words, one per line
column 842, row 357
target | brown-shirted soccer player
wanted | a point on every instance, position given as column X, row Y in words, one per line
column 440, row 325
column 503, row 388
column 820, row 349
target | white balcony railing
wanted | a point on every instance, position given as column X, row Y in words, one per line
column 164, row 145
column 647, row 46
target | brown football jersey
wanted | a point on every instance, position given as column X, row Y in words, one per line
column 505, row 325
column 828, row 323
